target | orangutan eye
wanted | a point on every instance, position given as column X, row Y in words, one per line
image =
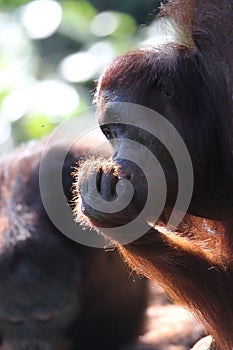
column 108, row 134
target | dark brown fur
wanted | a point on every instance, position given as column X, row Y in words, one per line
column 56, row 293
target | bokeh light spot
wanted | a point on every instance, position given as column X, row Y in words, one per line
column 105, row 23
column 79, row 67
column 41, row 18
column 54, row 98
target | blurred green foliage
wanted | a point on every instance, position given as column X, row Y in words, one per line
column 50, row 54
column 12, row 3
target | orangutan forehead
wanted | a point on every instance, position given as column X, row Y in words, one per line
column 124, row 78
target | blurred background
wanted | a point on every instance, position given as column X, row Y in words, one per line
column 51, row 52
